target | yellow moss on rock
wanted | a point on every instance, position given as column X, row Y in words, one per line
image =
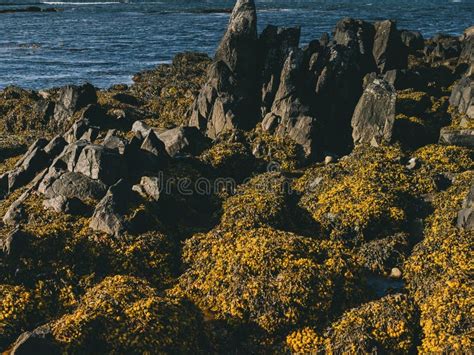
column 229, row 159
column 261, row 201
column 16, row 308
column 385, row 325
column 265, row 276
column 438, row 274
column 131, row 317
column 365, row 194
column 445, row 159
column 276, row 150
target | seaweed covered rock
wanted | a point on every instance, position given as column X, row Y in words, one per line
column 261, row 201
column 24, row 111
column 363, row 196
column 133, row 317
column 273, row 149
column 437, row 274
column 228, row 99
column 230, row 159
column 272, row 278
column 385, row 325
column 16, row 311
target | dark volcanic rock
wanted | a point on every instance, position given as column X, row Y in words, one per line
column 73, row 185
column 100, row 163
column 389, row 51
column 229, row 98
column 358, row 35
column 374, row 115
column 290, row 115
column 73, row 98
column 274, row 45
column 413, row 40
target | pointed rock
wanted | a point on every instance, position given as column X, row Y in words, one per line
column 274, row 44
column 389, row 51
column 229, row 98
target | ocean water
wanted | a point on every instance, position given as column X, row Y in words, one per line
column 106, row 42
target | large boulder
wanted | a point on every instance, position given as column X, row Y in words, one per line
column 358, row 35
column 338, row 88
column 413, row 40
column 462, row 96
column 389, row 51
column 183, row 140
column 457, row 136
column 108, row 216
column 73, row 185
column 100, row 163
column 71, row 99
column 229, row 98
column 290, row 114
column 374, row 115
column 274, row 45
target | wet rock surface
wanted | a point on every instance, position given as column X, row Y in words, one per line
column 274, row 199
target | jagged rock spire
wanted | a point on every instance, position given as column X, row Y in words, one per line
column 229, row 98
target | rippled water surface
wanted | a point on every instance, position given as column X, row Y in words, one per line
column 107, row 42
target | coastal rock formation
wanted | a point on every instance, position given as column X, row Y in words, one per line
column 274, row 45
column 71, row 99
column 374, row 115
column 389, row 51
column 229, row 98
column 339, row 220
column 290, row 115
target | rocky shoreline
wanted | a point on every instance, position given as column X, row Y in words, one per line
column 270, row 199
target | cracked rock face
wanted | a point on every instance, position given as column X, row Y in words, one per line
column 374, row 115
column 290, row 115
column 228, row 99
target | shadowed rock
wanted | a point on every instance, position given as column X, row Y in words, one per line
column 274, row 45
column 71, row 99
column 290, row 115
column 389, row 51
column 100, row 163
column 108, row 214
column 228, row 99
